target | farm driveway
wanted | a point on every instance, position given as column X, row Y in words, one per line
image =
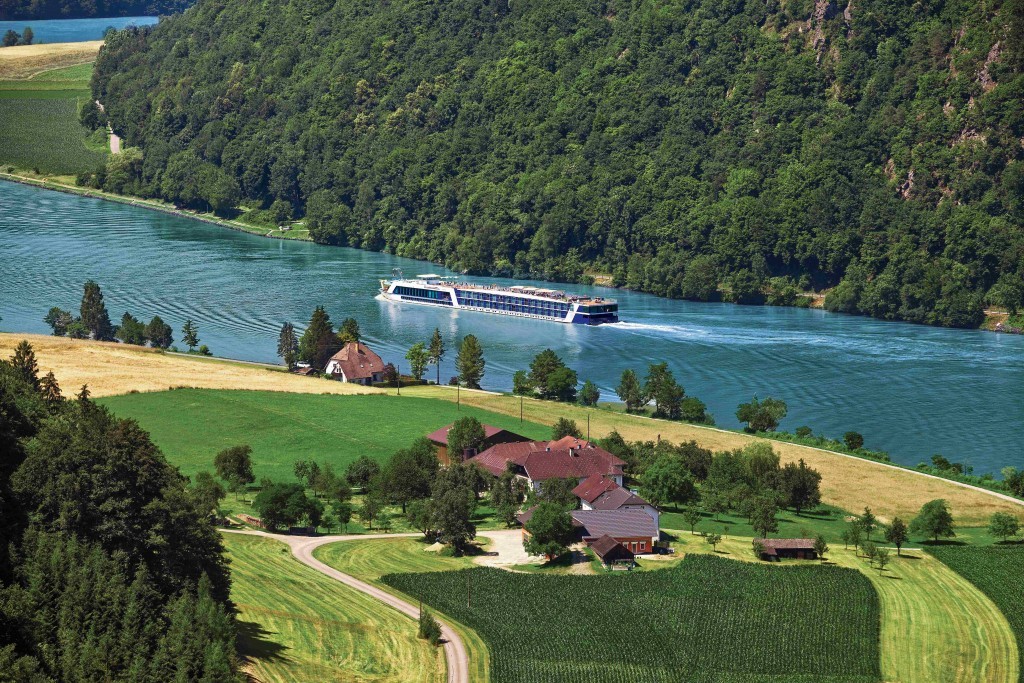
column 303, row 547
column 508, row 544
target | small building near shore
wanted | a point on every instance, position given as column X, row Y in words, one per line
column 774, row 549
column 492, row 437
column 356, row 363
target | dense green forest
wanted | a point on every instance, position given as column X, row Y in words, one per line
column 81, row 9
column 748, row 149
column 109, row 569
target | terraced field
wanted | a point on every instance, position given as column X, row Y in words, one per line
column 299, row 625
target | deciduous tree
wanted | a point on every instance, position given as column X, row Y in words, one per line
column 418, row 358
column 465, row 434
column 761, row 416
column 630, row 392
column 159, row 333
column 288, row 345
column 1003, row 525
column 934, row 521
column 234, row 465
column 549, row 531
column 564, row 427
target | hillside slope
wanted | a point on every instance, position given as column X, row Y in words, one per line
column 761, row 146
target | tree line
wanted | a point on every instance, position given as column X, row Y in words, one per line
column 109, row 568
column 93, row 322
column 83, row 9
column 12, row 37
column 704, row 152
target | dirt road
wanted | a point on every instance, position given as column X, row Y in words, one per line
column 302, row 548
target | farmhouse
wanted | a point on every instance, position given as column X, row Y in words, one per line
column 634, row 529
column 492, row 437
column 601, row 493
column 778, row 548
column 538, row 461
column 356, row 364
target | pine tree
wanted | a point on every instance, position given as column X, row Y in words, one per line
column 288, row 345
column 470, row 362
column 349, row 331
column 190, row 335
column 318, row 342
column 629, row 391
column 94, row 313
column 24, row 362
column 51, row 391
column 436, row 351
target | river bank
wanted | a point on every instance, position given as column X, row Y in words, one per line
column 995, row 321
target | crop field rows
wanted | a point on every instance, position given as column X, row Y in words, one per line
column 708, row 619
column 998, row 571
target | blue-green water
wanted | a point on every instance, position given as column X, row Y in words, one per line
column 911, row 390
column 72, row 30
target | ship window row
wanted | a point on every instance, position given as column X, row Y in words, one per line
column 422, row 293
column 514, row 300
column 514, row 308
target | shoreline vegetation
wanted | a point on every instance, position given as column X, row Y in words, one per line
column 104, row 367
column 995, row 321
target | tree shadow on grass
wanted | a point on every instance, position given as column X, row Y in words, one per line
column 255, row 642
column 942, row 542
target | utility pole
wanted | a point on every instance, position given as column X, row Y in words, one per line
column 588, row 426
column 520, row 409
column 458, row 396
column 398, row 371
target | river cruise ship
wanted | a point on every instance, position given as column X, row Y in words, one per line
column 518, row 301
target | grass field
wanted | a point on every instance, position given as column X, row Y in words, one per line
column 369, row 560
column 998, row 571
column 283, row 428
column 848, row 483
column 707, row 619
column 298, row 625
column 111, row 369
column 39, row 119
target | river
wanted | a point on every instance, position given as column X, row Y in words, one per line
column 72, row 30
column 911, row 390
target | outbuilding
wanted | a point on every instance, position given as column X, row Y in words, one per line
column 773, row 549
column 611, row 552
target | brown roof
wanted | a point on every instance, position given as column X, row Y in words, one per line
column 593, row 486
column 606, row 545
column 441, row 435
column 540, row 462
column 787, row 543
column 569, row 442
column 615, row 523
column 617, row 498
column 357, row 361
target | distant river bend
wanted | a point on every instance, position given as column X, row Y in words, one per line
column 911, row 390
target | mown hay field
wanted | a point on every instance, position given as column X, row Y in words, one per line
column 24, row 61
column 295, row 624
column 111, row 369
column 998, row 571
column 706, row 619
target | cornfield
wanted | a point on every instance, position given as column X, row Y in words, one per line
column 708, row 619
column 40, row 130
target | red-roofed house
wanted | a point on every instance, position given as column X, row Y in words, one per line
column 600, row 493
column 357, row 364
column 537, row 461
column 492, row 437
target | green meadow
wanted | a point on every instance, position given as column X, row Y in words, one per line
column 192, row 425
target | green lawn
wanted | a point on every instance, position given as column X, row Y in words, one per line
column 998, row 571
column 295, row 624
column 192, row 425
column 39, row 123
column 706, row 619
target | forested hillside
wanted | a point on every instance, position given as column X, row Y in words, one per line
column 686, row 147
column 109, row 567
column 79, row 9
